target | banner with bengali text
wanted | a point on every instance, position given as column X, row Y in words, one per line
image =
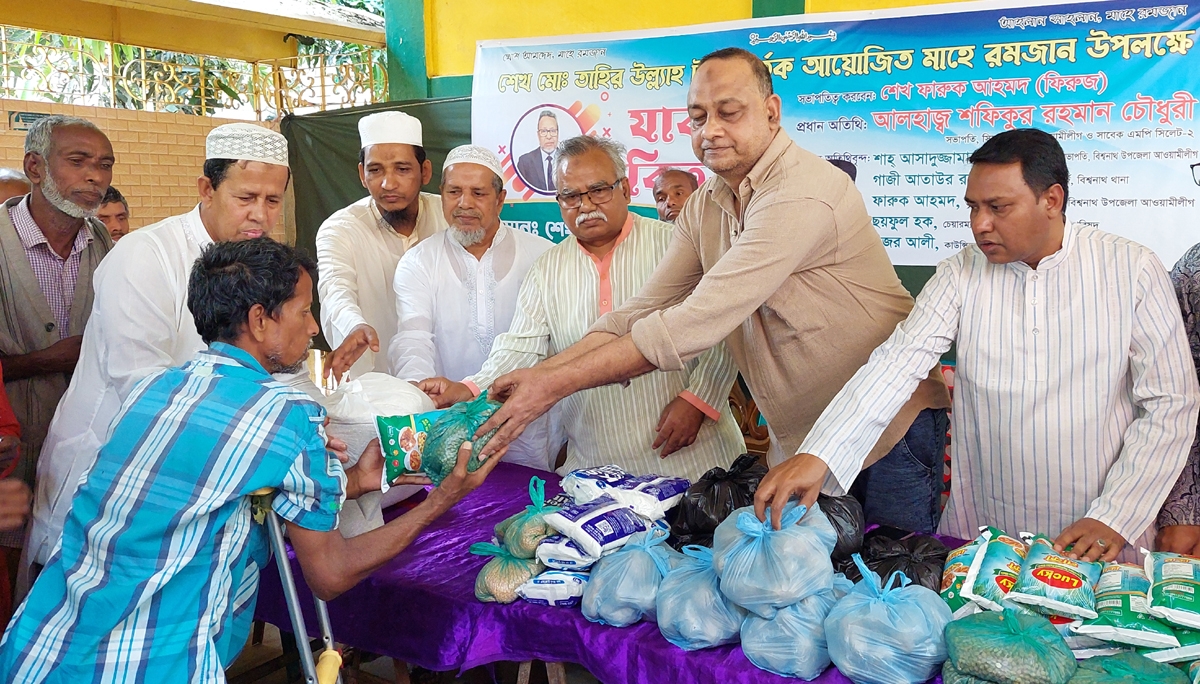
column 904, row 95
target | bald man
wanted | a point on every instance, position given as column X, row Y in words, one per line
column 671, row 190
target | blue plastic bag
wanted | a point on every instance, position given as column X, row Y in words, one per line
column 763, row 569
column 792, row 643
column 692, row 613
column 889, row 632
column 624, row 585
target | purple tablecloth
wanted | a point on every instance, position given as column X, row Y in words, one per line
column 421, row 608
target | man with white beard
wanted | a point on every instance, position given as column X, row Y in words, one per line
column 50, row 245
column 457, row 290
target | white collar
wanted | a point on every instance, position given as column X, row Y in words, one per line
column 194, row 228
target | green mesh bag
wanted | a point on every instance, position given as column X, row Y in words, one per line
column 953, row 676
column 457, row 425
column 1009, row 648
column 497, row 582
column 1127, row 668
column 528, row 528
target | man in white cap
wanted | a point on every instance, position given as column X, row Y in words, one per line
column 140, row 322
column 456, row 291
column 358, row 247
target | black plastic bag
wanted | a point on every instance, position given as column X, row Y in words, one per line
column 919, row 557
column 846, row 515
column 715, row 495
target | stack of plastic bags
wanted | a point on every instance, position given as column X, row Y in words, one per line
column 692, row 611
column 793, row 642
column 623, row 588
column 887, row 631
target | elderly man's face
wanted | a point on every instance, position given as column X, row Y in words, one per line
column 1010, row 222
column 290, row 333
column 76, row 172
column 115, row 218
column 470, row 202
column 671, row 190
column 547, row 134
column 594, row 220
column 247, row 202
column 732, row 122
column 391, row 173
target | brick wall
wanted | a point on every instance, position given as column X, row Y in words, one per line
column 159, row 155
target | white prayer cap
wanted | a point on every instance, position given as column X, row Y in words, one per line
column 389, row 127
column 474, row 154
column 246, row 142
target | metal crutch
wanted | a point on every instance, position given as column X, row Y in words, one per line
column 326, row 669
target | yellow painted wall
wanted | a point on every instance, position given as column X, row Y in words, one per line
column 453, row 26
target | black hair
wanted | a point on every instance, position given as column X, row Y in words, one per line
column 114, row 195
column 1043, row 163
column 229, row 278
column 417, row 150
column 215, row 171
column 760, row 70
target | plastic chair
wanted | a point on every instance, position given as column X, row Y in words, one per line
column 326, row 669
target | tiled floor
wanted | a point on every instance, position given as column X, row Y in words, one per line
column 381, row 670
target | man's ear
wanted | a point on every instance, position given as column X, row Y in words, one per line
column 1053, row 197
column 256, row 323
column 362, row 175
column 426, row 172
column 205, row 189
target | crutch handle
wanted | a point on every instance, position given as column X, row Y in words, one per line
column 328, row 665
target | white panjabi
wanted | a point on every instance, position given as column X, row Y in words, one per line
column 246, row 142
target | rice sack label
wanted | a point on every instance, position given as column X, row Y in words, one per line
column 401, row 438
column 599, row 526
column 558, row 588
column 958, row 564
column 994, row 569
column 1174, row 587
column 1123, row 610
column 1055, row 584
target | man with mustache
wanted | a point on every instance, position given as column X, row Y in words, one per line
column 50, row 244
column 358, row 247
column 457, row 291
column 139, row 323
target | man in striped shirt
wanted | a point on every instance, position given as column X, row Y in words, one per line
column 1075, row 398
column 156, row 574
column 670, row 423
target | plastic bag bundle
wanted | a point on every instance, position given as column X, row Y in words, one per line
column 763, row 569
column 624, row 585
column 994, row 570
column 499, row 580
column 792, row 643
column 692, row 613
column 888, row 632
column 958, row 562
column 1127, row 668
column 1010, row 648
column 598, row 526
column 717, row 494
column 561, row 553
column 922, row 559
column 526, row 530
column 1187, row 650
column 650, row 496
column 1054, row 584
column 845, row 513
column 559, row 588
column 1174, row 588
column 457, row 425
column 1123, row 611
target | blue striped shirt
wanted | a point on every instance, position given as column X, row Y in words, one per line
column 155, row 577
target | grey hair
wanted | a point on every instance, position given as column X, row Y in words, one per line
column 582, row 144
column 547, row 113
column 38, row 139
column 13, row 176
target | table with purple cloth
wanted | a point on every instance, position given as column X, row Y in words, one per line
column 421, row 608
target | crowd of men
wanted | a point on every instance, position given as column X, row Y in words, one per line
column 144, row 402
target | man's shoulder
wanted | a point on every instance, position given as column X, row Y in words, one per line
column 145, row 247
column 652, row 226
column 531, row 241
column 531, row 155
column 354, row 214
column 426, row 249
column 1093, row 244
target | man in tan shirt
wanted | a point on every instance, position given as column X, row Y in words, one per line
column 778, row 257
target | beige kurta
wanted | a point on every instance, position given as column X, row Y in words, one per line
column 797, row 283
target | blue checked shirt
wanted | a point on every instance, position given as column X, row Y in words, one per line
column 156, row 575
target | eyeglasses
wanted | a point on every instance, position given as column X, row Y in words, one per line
column 1196, row 173
column 600, row 195
column 547, row 131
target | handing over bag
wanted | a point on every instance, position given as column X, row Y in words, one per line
column 763, row 569
column 692, row 613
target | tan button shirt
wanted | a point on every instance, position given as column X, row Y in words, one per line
column 798, row 285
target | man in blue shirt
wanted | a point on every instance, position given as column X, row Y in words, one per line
column 156, row 574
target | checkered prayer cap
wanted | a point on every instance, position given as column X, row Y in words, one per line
column 246, row 142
